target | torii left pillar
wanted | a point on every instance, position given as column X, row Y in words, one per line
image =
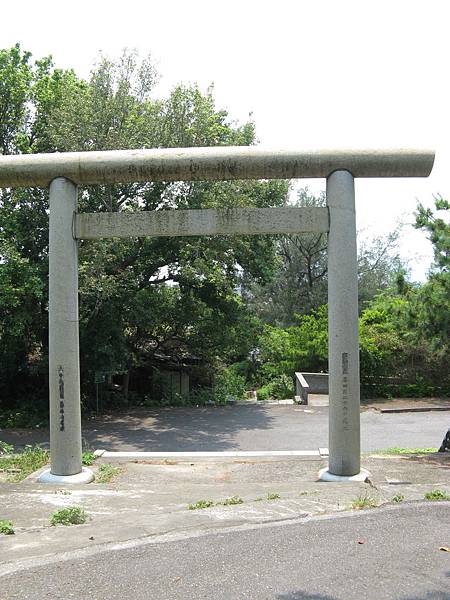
column 64, row 361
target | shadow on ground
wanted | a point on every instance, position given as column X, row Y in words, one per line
column 162, row 430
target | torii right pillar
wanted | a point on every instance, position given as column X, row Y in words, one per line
column 343, row 343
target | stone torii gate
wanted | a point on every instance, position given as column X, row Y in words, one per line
column 62, row 172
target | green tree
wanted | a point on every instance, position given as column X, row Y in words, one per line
column 28, row 92
column 438, row 229
column 430, row 311
column 141, row 300
column 300, row 282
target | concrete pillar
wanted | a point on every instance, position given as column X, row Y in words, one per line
column 64, row 368
column 343, row 346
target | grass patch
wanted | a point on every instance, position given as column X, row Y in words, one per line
column 363, row 502
column 398, row 498
column 106, row 473
column 407, row 451
column 201, row 504
column 87, row 458
column 19, row 466
column 72, row 515
column 436, row 495
column 273, row 496
column 230, row 501
column 6, row 528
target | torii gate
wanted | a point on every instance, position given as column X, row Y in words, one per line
column 62, row 172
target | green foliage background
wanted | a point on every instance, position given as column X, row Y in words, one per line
column 235, row 312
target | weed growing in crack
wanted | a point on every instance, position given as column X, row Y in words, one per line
column 436, row 495
column 72, row 515
column 6, row 528
column 363, row 502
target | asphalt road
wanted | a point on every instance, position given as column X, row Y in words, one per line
column 253, row 427
column 383, row 554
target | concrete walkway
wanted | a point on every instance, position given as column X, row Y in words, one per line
column 151, row 498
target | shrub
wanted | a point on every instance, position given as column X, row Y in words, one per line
column 229, row 384
column 299, row 347
column 279, row 388
column 263, row 393
column 201, row 396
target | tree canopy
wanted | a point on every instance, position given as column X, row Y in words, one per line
column 144, row 298
column 300, row 281
column 249, row 310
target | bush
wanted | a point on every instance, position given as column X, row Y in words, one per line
column 302, row 347
column 201, row 396
column 24, row 417
column 263, row 393
column 229, row 384
column 280, row 388
column 395, row 361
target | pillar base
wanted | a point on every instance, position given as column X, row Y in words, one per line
column 325, row 475
column 86, row 476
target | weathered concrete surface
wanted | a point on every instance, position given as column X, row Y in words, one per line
column 343, row 346
column 219, row 163
column 233, row 221
column 307, row 384
column 390, row 553
column 64, row 365
column 315, row 400
column 151, row 498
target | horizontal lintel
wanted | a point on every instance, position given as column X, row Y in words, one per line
column 212, row 163
column 176, row 223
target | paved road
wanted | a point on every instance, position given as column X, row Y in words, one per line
column 251, row 427
column 399, row 558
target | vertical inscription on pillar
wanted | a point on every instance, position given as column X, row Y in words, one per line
column 345, row 396
column 61, row 397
